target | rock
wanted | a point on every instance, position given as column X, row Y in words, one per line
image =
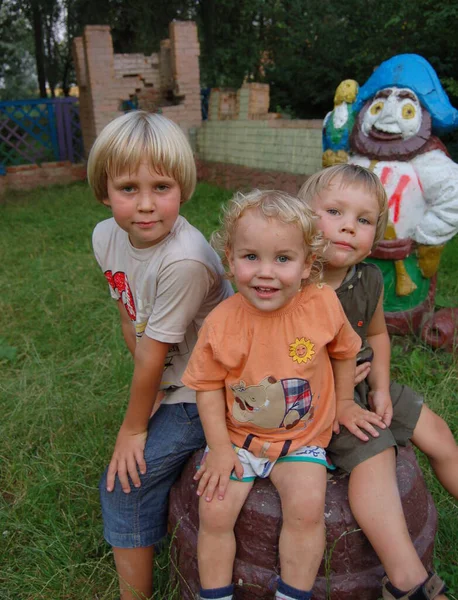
column 350, row 569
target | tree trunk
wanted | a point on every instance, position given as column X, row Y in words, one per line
column 39, row 51
column 207, row 15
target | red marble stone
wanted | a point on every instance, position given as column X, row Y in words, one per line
column 441, row 330
column 350, row 569
column 409, row 321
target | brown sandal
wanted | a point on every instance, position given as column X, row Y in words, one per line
column 429, row 590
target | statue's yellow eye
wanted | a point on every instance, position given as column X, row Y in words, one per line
column 376, row 108
column 408, row 111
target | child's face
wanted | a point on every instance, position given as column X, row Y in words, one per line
column 145, row 204
column 268, row 260
column 348, row 218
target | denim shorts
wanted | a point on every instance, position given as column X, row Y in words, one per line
column 139, row 519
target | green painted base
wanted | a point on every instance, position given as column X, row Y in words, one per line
column 392, row 302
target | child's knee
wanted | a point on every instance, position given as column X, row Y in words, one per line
column 444, row 433
column 446, row 447
column 215, row 516
column 304, row 512
column 433, row 436
column 304, row 520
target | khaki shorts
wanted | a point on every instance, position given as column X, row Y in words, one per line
column 346, row 451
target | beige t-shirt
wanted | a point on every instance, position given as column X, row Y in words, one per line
column 167, row 290
column 275, row 368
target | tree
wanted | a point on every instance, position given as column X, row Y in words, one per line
column 302, row 48
column 17, row 72
column 232, row 40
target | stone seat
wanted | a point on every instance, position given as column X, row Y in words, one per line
column 350, row 569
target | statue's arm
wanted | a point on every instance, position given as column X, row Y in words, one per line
column 438, row 176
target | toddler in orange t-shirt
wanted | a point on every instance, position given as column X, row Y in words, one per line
column 269, row 367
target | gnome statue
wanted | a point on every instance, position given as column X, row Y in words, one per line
column 398, row 111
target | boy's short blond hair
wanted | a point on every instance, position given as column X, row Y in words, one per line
column 349, row 175
column 141, row 137
column 272, row 204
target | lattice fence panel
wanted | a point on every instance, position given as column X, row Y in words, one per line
column 35, row 131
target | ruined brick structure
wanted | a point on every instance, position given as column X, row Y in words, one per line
column 241, row 145
column 168, row 80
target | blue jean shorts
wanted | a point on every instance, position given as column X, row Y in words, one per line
column 139, row 519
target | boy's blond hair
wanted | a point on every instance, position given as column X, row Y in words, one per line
column 272, row 204
column 141, row 137
column 349, row 175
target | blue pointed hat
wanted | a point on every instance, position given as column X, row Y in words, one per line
column 414, row 72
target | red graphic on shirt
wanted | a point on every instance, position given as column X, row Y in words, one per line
column 119, row 283
column 396, row 196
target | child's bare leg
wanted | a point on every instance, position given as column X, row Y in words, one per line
column 433, row 437
column 135, row 572
column 216, row 540
column 302, row 489
column 376, row 505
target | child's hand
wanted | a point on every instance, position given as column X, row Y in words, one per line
column 381, row 404
column 127, row 454
column 355, row 418
column 361, row 372
column 215, row 470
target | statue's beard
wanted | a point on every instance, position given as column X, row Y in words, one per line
column 378, row 145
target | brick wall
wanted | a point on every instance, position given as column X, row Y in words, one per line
column 168, row 80
column 26, row 177
column 185, row 52
column 133, row 65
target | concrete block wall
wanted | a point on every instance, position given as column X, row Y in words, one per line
column 250, row 136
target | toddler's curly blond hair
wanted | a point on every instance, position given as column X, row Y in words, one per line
column 272, row 204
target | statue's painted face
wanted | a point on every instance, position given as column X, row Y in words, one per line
column 394, row 113
column 391, row 126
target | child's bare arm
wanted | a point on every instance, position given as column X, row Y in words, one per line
column 128, row 452
column 361, row 372
column 221, row 458
column 348, row 412
column 127, row 328
column 379, row 374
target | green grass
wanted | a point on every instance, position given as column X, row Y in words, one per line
column 64, row 379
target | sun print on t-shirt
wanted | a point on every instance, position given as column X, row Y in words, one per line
column 301, row 351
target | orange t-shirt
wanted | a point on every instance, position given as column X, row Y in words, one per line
column 275, row 368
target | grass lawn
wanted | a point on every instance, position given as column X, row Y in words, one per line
column 64, row 379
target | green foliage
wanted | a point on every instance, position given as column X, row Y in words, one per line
column 17, row 75
column 305, row 48
column 6, row 352
column 136, row 26
column 302, row 48
column 232, row 37
column 316, row 45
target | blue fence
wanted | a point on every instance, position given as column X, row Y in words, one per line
column 35, row 131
